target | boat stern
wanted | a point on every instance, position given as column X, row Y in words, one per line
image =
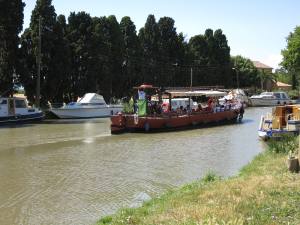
column 117, row 124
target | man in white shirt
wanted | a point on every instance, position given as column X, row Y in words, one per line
column 142, row 94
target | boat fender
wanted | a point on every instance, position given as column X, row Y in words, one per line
column 240, row 117
column 136, row 119
column 147, row 126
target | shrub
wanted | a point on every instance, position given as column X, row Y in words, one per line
column 287, row 143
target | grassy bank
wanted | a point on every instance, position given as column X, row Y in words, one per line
column 263, row 193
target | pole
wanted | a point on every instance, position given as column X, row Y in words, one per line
column 38, row 60
column 237, row 78
column 191, row 88
column 191, row 78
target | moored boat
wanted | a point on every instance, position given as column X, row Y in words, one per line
column 236, row 94
column 91, row 105
column 16, row 110
column 171, row 119
column 270, row 99
column 283, row 120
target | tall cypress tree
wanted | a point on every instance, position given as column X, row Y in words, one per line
column 11, row 23
column 132, row 54
column 149, row 35
column 54, row 57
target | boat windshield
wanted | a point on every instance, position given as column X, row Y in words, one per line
column 20, row 103
column 3, row 102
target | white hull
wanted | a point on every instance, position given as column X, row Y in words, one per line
column 263, row 135
column 269, row 102
column 68, row 113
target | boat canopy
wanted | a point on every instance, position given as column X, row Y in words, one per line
column 92, row 98
column 207, row 93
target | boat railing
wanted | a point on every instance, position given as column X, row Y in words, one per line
column 294, row 117
column 268, row 116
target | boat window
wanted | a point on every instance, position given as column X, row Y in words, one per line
column 20, row 104
column 3, row 102
column 283, row 96
column 277, row 95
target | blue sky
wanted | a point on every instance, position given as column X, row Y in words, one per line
column 255, row 29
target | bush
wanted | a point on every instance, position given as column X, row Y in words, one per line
column 294, row 94
column 287, row 143
column 210, row 177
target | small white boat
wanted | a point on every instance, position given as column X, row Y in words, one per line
column 236, row 94
column 91, row 105
column 270, row 99
column 16, row 110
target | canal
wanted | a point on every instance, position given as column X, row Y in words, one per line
column 74, row 172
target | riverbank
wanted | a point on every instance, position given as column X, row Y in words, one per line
column 264, row 192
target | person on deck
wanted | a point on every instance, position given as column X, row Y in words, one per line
column 142, row 94
column 210, row 104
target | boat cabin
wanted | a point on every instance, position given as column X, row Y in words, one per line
column 14, row 106
column 283, row 116
column 92, row 99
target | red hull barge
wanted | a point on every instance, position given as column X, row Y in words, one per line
column 132, row 123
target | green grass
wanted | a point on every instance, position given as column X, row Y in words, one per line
column 263, row 193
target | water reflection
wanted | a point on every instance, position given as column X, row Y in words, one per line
column 73, row 172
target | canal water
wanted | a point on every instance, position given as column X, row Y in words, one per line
column 74, row 172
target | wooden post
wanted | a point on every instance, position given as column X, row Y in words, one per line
column 170, row 102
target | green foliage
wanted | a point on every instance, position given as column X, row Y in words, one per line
column 287, row 143
column 210, row 177
column 211, row 55
column 131, row 66
column 105, row 220
column 294, row 94
column 99, row 54
column 248, row 75
column 11, row 23
column 284, row 76
column 55, row 57
column 291, row 56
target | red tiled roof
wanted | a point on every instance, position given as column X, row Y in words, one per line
column 280, row 84
column 260, row 65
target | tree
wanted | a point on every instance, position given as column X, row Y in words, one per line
column 54, row 57
column 291, row 55
column 132, row 54
column 148, row 36
column 108, row 33
column 210, row 56
column 170, row 50
column 245, row 72
column 11, row 24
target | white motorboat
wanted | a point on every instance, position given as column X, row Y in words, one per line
column 91, row 105
column 236, row 94
column 16, row 110
column 270, row 99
